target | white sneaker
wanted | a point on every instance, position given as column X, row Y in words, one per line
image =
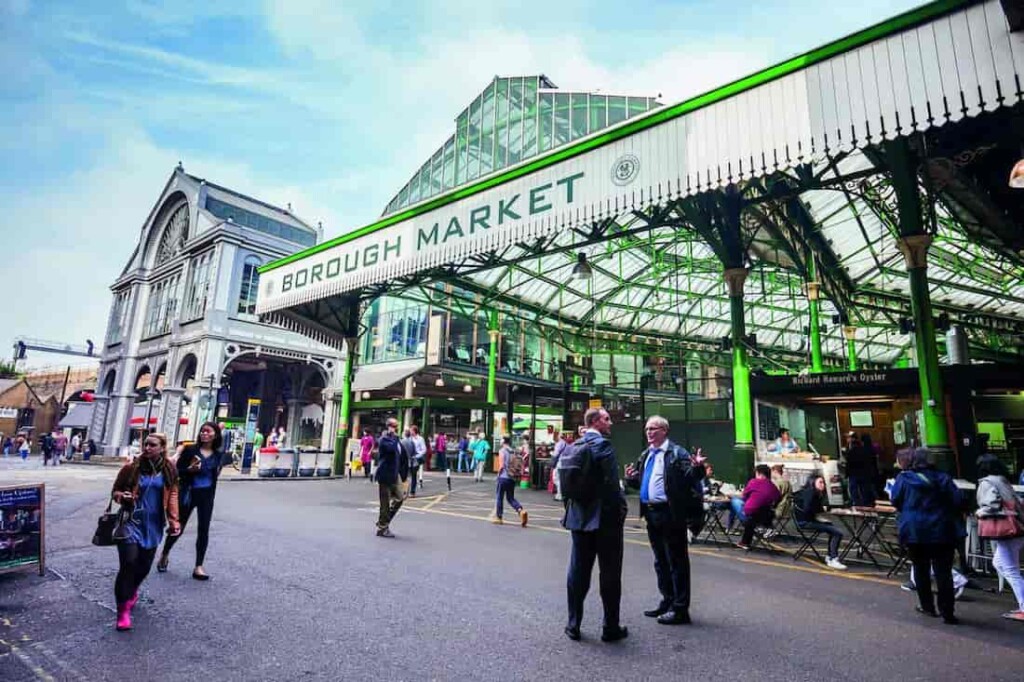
column 835, row 564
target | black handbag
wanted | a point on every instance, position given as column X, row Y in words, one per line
column 110, row 528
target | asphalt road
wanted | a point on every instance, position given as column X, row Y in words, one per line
column 302, row 589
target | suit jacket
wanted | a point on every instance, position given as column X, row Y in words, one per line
column 389, row 459
column 682, row 480
column 609, row 509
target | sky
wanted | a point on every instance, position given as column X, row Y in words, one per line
column 330, row 106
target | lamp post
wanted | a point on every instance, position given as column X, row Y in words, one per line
column 213, row 399
column 150, row 392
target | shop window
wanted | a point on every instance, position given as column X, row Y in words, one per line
column 250, row 286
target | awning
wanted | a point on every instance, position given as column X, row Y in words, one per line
column 376, row 377
column 79, row 416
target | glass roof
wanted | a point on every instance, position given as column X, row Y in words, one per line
column 514, row 119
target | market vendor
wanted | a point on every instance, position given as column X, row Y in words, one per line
column 784, row 444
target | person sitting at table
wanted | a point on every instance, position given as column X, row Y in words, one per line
column 809, row 502
column 756, row 505
column 784, row 444
column 782, row 510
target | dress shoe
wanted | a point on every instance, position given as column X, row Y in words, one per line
column 654, row 613
column 926, row 612
column 951, row 620
column 572, row 633
column 675, row 618
column 614, row 634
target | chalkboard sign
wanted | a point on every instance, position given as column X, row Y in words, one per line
column 767, row 422
column 22, row 523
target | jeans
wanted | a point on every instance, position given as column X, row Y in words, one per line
column 202, row 503
column 413, row 475
column 835, row 536
column 1006, row 561
column 506, row 489
column 736, row 511
column 135, row 563
column 478, row 474
column 940, row 557
column 464, row 457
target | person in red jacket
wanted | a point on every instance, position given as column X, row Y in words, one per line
column 756, row 505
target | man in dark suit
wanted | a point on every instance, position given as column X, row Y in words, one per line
column 392, row 468
column 671, row 498
column 597, row 532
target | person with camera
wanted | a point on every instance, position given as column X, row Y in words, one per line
column 671, row 499
column 198, row 468
column 147, row 490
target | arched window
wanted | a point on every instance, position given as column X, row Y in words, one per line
column 250, row 286
column 174, row 236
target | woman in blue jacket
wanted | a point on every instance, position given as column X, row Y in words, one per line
column 929, row 526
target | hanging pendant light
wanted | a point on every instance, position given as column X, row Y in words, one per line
column 582, row 269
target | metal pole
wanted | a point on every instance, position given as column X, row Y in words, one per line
column 149, row 408
column 686, row 409
column 643, row 408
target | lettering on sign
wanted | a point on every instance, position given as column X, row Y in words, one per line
column 470, row 221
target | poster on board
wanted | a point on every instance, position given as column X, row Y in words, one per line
column 22, row 523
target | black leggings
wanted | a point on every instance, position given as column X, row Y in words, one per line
column 202, row 502
column 135, row 564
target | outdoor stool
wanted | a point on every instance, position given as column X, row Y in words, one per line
column 808, row 536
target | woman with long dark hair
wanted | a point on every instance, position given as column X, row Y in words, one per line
column 147, row 488
column 199, row 467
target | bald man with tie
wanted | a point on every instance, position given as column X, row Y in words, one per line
column 668, row 478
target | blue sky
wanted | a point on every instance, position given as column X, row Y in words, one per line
column 328, row 105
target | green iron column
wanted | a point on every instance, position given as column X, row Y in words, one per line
column 935, row 434
column 743, row 460
column 346, row 402
column 850, row 332
column 814, row 307
column 492, row 359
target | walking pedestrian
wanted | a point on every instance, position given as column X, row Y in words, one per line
column 929, row 526
column 198, row 468
column 481, row 449
column 366, row 452
column 24, row 447
column 46, row 445
column 147, row 487
column 417, row 449
column 464, row 456
column 560, row 445
column 997, row 502
column 671, row 499
column 390, row 469
column 596, row 526
column 511, row 469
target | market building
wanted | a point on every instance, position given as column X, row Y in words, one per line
column 184, row 343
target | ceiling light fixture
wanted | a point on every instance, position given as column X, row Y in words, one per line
column 582, row 269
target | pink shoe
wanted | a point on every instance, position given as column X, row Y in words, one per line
column 133, row 601
column 124, row 617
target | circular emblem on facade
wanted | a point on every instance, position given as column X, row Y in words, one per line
column 625, row 169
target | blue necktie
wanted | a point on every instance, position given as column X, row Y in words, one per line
column 648, row 470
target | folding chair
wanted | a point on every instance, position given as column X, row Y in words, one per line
column 808, row 536
column 759, row 538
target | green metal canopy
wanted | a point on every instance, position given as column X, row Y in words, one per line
column 805, row 155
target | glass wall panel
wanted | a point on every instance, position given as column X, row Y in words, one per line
column 532, row 352
column 487, row 132
column 598, row 112
column 637, row 105
column 403, row 196
column 616, row 110
column 462, row 149
column 579, row 116
column 414, row 187
column 437, row 168
column 529, row 117
column 473, row 169
column 398, row 330
column 562, row 113
column 547, row 125
column 501, row 124
column 515, row 118
column 449, row 163
column 602, row 369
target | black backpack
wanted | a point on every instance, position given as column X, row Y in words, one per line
column 577, row 475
